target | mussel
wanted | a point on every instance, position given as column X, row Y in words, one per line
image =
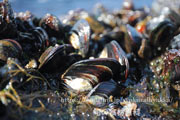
column 100, row 95
column 97, row 44
column 7, row 22
column 145, row 50
column 34, row 41
column 162, row 33
column 80, row 35
column 160, row 36
column 24, row 21
column 82, row 76
column 113, row 50
column 132, row 39
column 57, row 58
column 171, row 14
column 52, row 25
column 9, row 48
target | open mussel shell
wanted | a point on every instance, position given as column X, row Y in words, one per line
column 114, row 50
column 79, row 36
column 9, row 48
column 99, row 96
column 82, row 76
column 57, row 58
column 52, row 25
column 132, row 39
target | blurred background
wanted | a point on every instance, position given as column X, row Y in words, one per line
column 60, row 7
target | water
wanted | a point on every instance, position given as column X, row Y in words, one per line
column 59, row 7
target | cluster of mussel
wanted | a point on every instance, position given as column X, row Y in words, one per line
column 97, row 55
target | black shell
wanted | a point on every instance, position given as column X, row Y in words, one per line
column 99, row 95
column 52, row 25
column 84, row 75
column 169, row 13
column 132, row 39
column 24, row 21
column 9, row 48
column 161, row 35
column 7, row 22
column 80, row 35
column 57, row 58
column 113, row 50
column 34, row 41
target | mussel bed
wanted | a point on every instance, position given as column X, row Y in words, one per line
column 122, row 64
